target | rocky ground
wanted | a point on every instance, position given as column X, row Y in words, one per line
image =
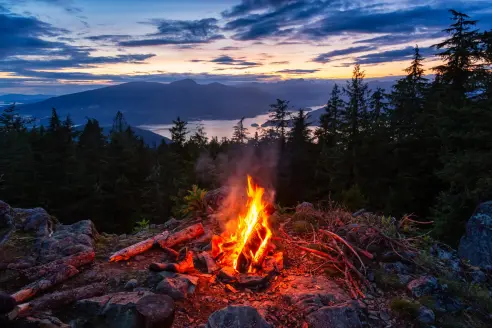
column 407, row 279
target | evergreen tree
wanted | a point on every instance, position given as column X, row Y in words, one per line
column 279, row 117
column 179, row 132
column 240, row 133
column 330, row 120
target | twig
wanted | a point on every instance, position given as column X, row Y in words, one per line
column 334, row 235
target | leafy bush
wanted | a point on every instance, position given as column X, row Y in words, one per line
column 404, row 307
column 353, row 198
column 143, row 224
column 194, row 202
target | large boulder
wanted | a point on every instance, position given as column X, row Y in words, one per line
column 6, row 219
column 476, row 245
column 35, row 220
column 237, row 316
column 312, row 293
column 344, row 315
column 179, row 286
column 67, row 240
column 117, row 310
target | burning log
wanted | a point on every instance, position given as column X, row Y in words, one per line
column 155, row 311
column 76, row 260
column 135, row 249
column 58, row 299
column 181, row 236
column 65, row 272
column 181, row 267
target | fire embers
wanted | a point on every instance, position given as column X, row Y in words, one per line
column 246, row 244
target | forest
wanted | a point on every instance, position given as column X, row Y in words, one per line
column 422, row 148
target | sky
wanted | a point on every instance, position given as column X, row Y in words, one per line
column 62, row 46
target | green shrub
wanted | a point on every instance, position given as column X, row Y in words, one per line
column 301, row 226
column 194, row 202
column 404, row 307
column 353, row 199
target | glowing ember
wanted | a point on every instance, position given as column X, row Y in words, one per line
column 245, row 247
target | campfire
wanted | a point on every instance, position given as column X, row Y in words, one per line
column 247, row 241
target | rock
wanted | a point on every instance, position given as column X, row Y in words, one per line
column 156, row 311
column 422, row 286
column 178, row 287
column 340, row 316
column 478, row 276
column 171, row 224
column 7, row 303
column 396, row 268
column 304, row 207
column 252, row 281
column 404, row 278
column 6, row 215
column 426, row 315
column 311, row 293
column 207, row 263
column 227, row 275
column 34, row 219
column 131, row 284
column 237, row 316
column 67, row 240
column 476, row 245
column 117, row 310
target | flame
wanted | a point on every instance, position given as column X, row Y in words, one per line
column 245, row 247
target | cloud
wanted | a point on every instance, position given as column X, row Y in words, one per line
column 24, row 35
column 285, row 62
column 247, row 6
column 175, row 32
column 327, row 56
column 230, row 61
column 392, row 55
column 230, row 48
column 298, row 71
column 399, row 38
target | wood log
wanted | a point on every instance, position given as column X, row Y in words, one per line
column 76, row 260
column 181, row 236
column 58, row 299
column 155, row 311
column 181, row 267
column 65, row 272
column 135, row 249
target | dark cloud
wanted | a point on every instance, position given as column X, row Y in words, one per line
column 247, row 6
column 392, row 55
column 230, row 61
column 298, row 71
column 113, row 38
column 175, row 32
column 280, row 63
column 23, row 35
column 327, row 56
column 230, row 48
column 393, row 39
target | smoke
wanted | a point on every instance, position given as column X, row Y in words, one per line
column 231, row 170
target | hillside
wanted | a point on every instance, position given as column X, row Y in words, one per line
column 151, row 102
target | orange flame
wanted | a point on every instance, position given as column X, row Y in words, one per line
column 246, row 246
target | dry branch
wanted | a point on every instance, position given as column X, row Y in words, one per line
column 58, row 299
column 181, row 236
column 76, row 260
column 135, row 249
column 65, row 272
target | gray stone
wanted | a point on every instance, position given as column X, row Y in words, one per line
column 404, row 278
column 227, row 275
column 422, row 286
column 117, row 310
column 337, row 316
column 426, row 315
column 396, row 268
column 178, row 287
column 41, row 320
column 131, row 284
column 304, row 207
column 478, row 276
column 237, row 316
column 6, row 218
column 171, row 224
column 311, row 293
column 476, row 245
column 34, row 220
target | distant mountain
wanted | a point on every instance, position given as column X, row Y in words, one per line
column 21, row 99
column 305, row 93
column 156, row 103
column 150, row 138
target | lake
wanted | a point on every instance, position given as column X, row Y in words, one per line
column 216, row 128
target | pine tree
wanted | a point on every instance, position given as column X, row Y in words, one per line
column 240, row 133
column 330, row 120
column 280, row 117
column 179, row 132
